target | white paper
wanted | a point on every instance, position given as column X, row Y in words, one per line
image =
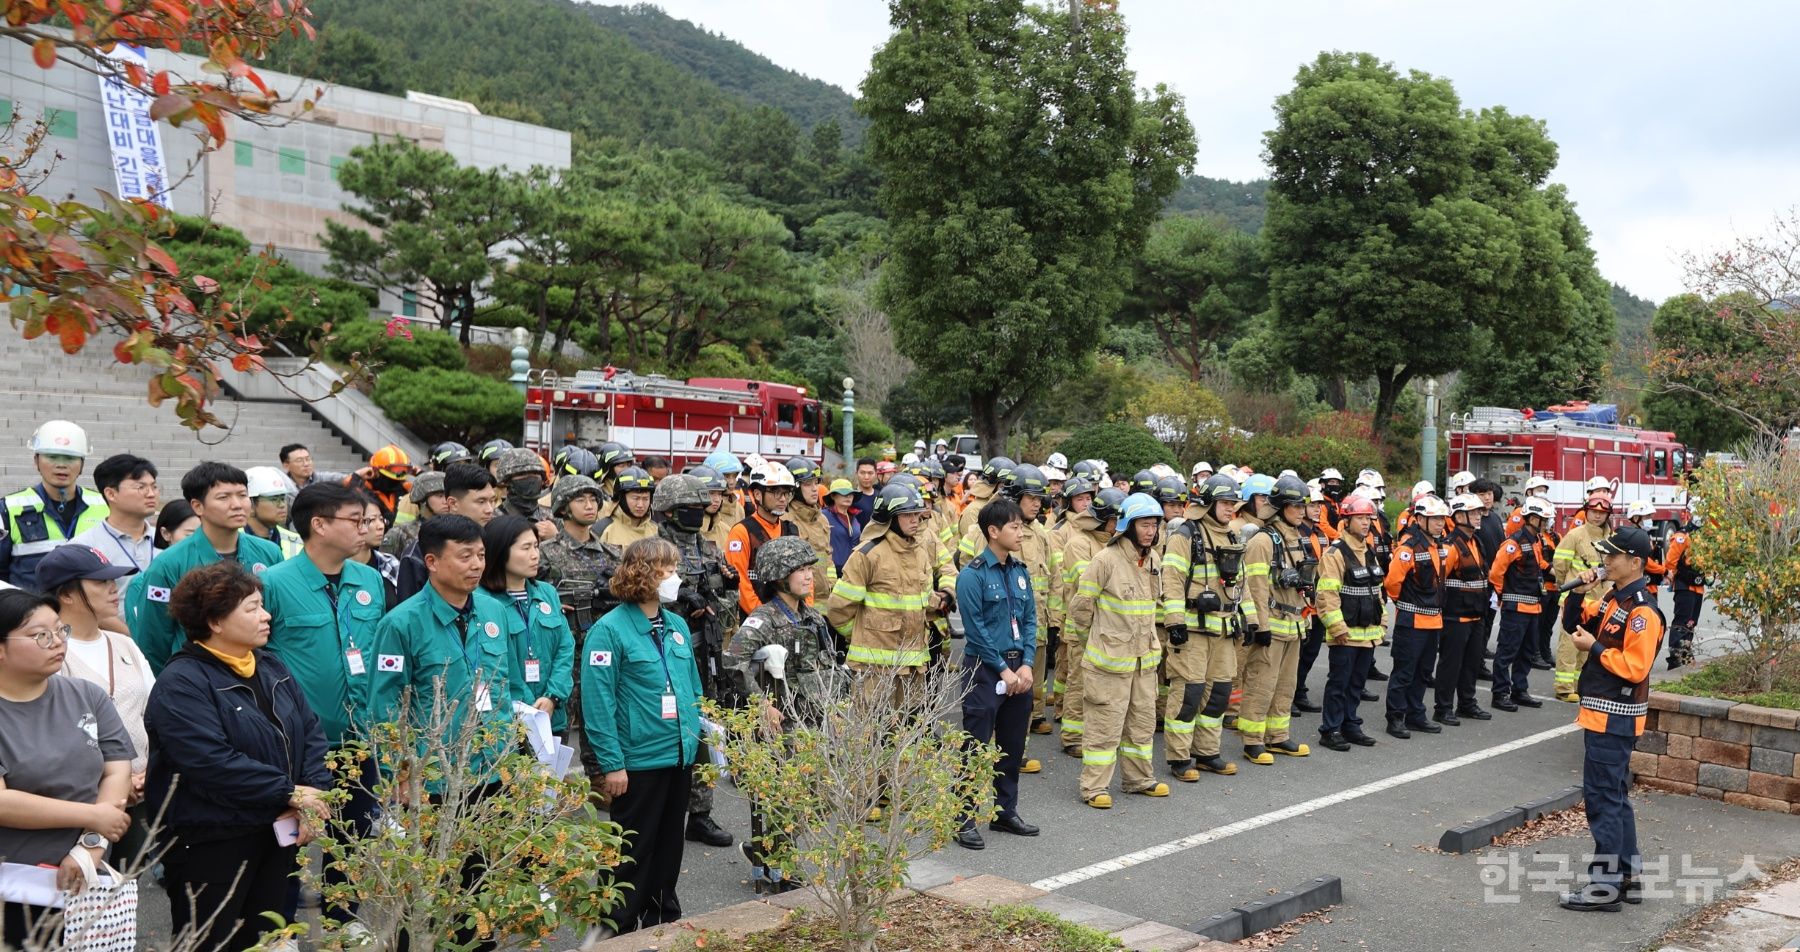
column 31, row 885
column 537, row 732
column 715, row 743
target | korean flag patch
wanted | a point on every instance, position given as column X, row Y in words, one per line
column 600, row 659
column 390, row 662
column 752, row 622
column 735, row 545
column 157, row 593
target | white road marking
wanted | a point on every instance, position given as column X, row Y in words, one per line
column 1096, row 870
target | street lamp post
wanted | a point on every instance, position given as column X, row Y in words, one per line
column 848, row 446
column 1428, row 438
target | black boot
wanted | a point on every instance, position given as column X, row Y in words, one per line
column 1360, row 739
column 1375, row 674
column 1304, row 705
column 1332, row 740
column 1397, row 728
column 1421, row 724
column 1504, row 702
column 702, row 829
column 1443, row 716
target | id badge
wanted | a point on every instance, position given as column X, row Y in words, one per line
column 353, row 660
column 1016, row 635
column 531, row 670
column 484, row 698
column 668, row 709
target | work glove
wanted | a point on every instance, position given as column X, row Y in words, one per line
column 1251, row 634
column 1264, row 637
column 1178, row 635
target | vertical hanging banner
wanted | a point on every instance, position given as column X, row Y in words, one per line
column 140, row 167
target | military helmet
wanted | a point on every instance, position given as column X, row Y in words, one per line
column 714, row 480
column 567, row 488
column 635, row 479
column 517, row 462
column 1107, row 504
column 781, row 557
column 803, row 469
column 1170, row 489
column 677, row 490
column 896, row 498
column 1290, row 491
column 443, row 454
column 611, row 454
column 574, row 460
column 425, row 486
column 1028, row 480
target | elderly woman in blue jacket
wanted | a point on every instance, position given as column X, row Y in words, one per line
column 237, row 760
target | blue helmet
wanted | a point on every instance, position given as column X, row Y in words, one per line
column 1137, row 506
column 724, row 462
column 1258, row 484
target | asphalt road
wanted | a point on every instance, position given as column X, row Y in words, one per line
column 1368, row 816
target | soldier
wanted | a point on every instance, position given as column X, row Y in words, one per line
column 1202, row 589
column 579, row 567
column 428, row 495
column 521, row 476
column 776, row 662
column 1279, row 572
column 1087, row 534
column 708, row 591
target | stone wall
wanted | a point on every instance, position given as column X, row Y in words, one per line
column 1722, row 750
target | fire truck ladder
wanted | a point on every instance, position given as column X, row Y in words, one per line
column 1506, row 420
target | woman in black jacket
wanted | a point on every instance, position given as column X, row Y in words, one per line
column 237, row 758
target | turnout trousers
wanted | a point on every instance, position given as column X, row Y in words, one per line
column 1121, row 725
column 1200, row 674
column 1267, row 705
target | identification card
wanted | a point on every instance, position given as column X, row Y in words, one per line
column 484, row 698
column 1016, row 635
column 668, row 707
column 531, row 670
column 353, row 660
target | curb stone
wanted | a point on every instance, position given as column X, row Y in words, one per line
column 1471, row 836
column 1264, row 914
column 1560, row 800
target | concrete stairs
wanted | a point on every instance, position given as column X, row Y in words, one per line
column 108, row 400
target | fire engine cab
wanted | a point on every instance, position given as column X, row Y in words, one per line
column 684, row 421
column 1569, row 444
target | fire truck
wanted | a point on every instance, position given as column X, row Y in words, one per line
column 1569, row 444
column 682, row 420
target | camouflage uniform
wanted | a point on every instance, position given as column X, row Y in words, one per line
column 579, row 571
column 403, row 535
column 519, row 462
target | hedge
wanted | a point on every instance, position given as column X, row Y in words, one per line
column 1305, row 455
column 438, row 404
column 414, row 348
column 1126, row 447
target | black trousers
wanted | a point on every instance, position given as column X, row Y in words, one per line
column 1459, row 663
column 1003, row 719
column 231, row 882
column 653, row 812
column 1310, row 645
column 1512, row 676
column 1687, row 616
column 1546, row 626
column 1415, row 652
column 1346, row 671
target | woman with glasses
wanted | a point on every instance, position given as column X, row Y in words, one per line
column 65, row 760
column 374, row 530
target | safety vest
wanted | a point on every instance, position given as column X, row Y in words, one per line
column 287, row 540
column 1524, row 581
column 1466, row 586
column 33, row 532
column 1421, row 590
column 1359, row 592
column 1602, row 690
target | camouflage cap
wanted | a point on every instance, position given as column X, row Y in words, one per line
column 426, row 485
column 680, row 489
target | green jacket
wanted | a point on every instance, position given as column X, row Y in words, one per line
column 417, row 646
column 538, row 632
column 147, row 599
column 314, row 636
column 623, row 679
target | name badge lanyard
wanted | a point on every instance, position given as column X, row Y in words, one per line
column 532, row 669
column 353, row 659
column 669, row 712
column 119, row 540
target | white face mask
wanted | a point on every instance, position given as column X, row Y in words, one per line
column 668, row 589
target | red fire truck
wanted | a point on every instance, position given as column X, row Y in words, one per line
column 684, row 421
column 1568, row 445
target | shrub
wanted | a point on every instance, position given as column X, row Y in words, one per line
column 1126, row 447
column 1749, row 549
column 395, row 345
column 1306, row 455
column 1188, row 417
column 438, row 404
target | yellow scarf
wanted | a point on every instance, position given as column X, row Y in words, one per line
column 244, row 666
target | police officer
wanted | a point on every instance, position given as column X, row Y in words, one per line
column 1518, row 580
column 1415, row 581
column 1350, row 608
column 708, row 593
column 1618, row 643
column 54, row 511
column 1115, row 604
column 777, row 663
column 1279, row 573
column 1202, row 589
column 1086, row 535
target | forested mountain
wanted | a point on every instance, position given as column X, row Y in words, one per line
column 634, row 74
column 1240, row 204
column 1633, row 344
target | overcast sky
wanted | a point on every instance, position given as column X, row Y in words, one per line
column 1677, row 122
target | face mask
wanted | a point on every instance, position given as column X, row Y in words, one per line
column 690, row 517
column 668, row 589
column 530, row 487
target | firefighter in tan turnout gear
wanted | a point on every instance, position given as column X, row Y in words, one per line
column 1116, row 604
column 1088, row 533
column 1280, row 572
column 1202, row 584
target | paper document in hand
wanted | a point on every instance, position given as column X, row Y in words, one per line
column 30, row 885
column 537, row 732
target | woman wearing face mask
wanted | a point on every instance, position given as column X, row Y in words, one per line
column 640, row 708
column 543, row 649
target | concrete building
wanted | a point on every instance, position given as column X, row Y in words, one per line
column 277, row 183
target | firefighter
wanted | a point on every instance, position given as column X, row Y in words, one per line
column 1690, row 592
column 731, row 506
column 1415, row 581
column 1466, row 597
column 1350, row 607
column 490, row 452
column 772, row 491
column 630, row 521
column 1279, row 572
column 1617, row 642
column 1642, row 513
column 385, row 478
column 1115, row 604
column 987, row 482
column 615, row 458
column 444, row 455
column 1086, row 535
column 1315, row 538
column 1253, row 512
column 1537, row 487
column 1030, row 488
column 1420, row 490
column 809, row 520
column 1202, row 589
column 1577, row 557
column 1518, row 579
column 1076, row 496
column 1331, row 483
column 1172, row 493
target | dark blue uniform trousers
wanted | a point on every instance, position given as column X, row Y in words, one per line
column 1606, row 785
column 1511, row 673
column 1415, row 653
column 1346, row 670
column 1001, row 718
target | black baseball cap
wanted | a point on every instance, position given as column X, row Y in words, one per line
column 66, row 563
column 1629, row 540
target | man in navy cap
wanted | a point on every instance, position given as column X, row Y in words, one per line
column 1618, row 643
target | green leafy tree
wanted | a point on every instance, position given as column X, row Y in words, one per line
column 1686, row 403
column 1185, row 416
column 1401, row 228
column 277, row 300
column 1198, row 284
column 1021, row 173
column 433, row 227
